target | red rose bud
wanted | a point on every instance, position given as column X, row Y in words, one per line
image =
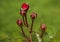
column 19, row 22
column 22, row 12
column 33, row 15
column 43, row 26
column 25, row 6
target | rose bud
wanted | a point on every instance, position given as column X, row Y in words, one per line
column 22, row 12
column 43, row 27
column 19, row 22
column 33, row 15
column 25, row 6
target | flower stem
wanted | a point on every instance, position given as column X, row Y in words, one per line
column 30, row 38
column 26, row 22
column 23, row 20
column 31, row 30
column 42, row 33
column 23, row 33
column 31, row 26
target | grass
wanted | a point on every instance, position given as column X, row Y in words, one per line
column 48, row 12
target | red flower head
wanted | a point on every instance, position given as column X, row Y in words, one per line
column 33, row 15
column 43, row 26
column 19, row 22
column 22, row 12
column 25, row 6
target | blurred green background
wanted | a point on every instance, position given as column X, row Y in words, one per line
column 48, row 12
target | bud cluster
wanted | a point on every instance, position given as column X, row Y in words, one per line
column 24, row 22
